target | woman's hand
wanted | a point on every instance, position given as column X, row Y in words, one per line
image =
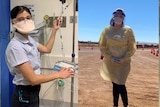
column 57, row 23
column 117, row 60
column 66, row 73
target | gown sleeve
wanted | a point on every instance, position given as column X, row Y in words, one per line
column 131, row 43
column 103, row 44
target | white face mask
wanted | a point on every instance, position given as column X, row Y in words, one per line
column 118, row 20
column 25, row 26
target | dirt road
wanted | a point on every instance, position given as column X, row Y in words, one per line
column 142, row 83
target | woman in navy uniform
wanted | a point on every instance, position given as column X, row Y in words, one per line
column 23, row 59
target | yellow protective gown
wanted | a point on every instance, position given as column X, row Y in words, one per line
column 117, row 43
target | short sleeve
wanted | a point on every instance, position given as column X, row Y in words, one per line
column 16, row 55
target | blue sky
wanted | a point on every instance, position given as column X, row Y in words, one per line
column 141, row 16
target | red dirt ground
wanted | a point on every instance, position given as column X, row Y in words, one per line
column 142, row 82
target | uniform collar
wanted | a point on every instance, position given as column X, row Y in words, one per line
column 20, row 38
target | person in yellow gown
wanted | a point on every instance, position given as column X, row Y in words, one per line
column 117, row 44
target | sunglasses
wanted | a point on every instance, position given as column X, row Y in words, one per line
column 118, row 15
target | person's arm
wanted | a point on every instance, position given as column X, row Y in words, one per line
column 48, row 47
column 36, row 79
column 131, row 44
column 103, row 44
column 130, row 49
